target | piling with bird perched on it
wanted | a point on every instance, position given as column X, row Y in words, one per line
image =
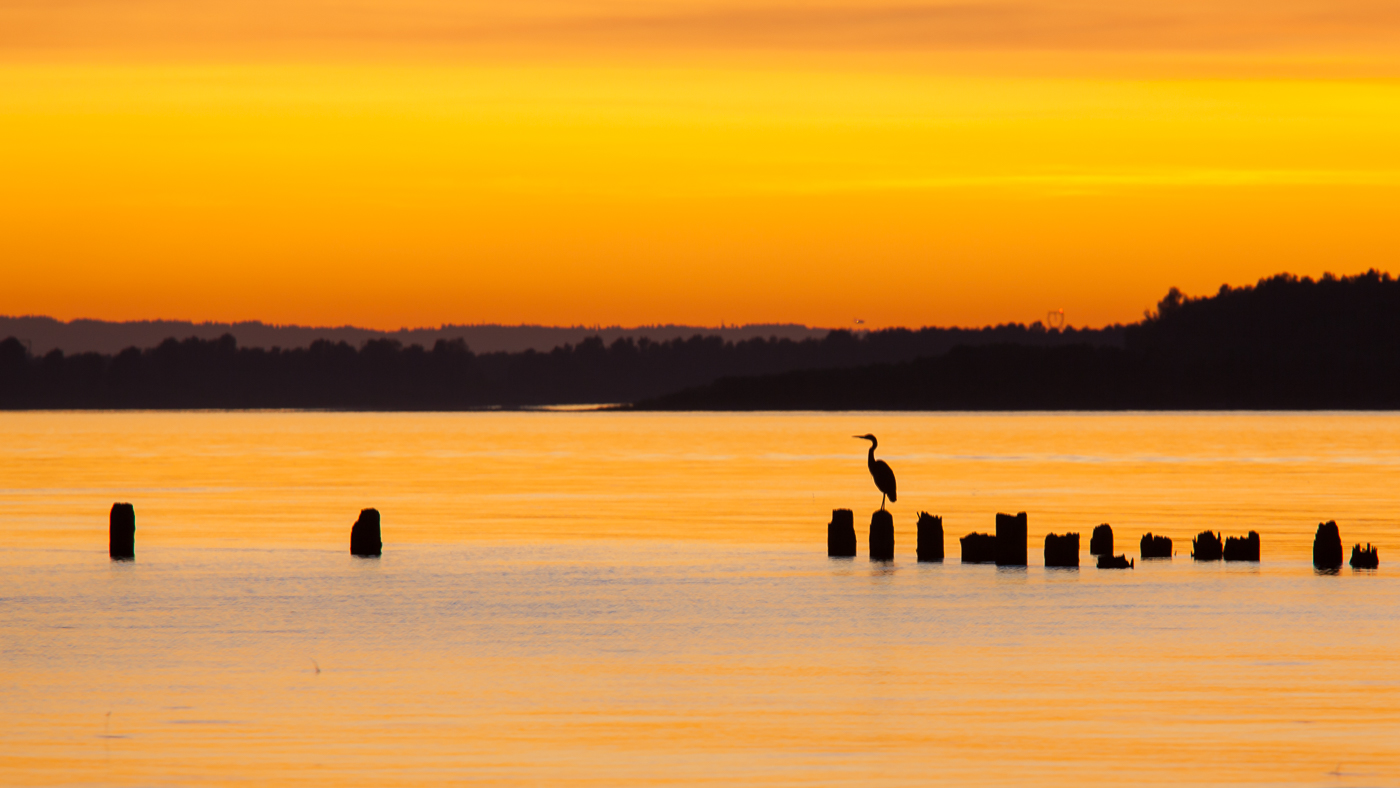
column 881, row 536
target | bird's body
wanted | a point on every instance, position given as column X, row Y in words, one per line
column 880, row 471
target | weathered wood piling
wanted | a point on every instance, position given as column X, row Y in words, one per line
column 1116, row 562
column 881, row 536
column 1242, row 548
column 1011, row 539
column 1207, row 547
column 1101, row 540
column 1327, row 546
column 121, row 532
column 1155, row 546
column 930, row 545
column 1369, row 558
column 841, row 534
column 1062, row 550
column 364, row 535
column 979, row 548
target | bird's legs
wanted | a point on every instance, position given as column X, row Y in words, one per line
column 882, row 501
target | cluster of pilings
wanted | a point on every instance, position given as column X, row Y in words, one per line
column 1007, row 547
column 121, row 534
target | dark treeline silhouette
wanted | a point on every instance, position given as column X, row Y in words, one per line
column 1285, row 343
column 384, row 374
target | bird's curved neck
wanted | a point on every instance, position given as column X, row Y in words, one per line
column 870, row 458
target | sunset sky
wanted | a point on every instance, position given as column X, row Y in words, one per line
column 412, row 163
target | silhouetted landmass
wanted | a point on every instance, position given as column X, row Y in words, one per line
column 1327, row 546
column 384, row 374
column 1062, row 550
column 42, row 334
column 1285, row 343
column 930, row 538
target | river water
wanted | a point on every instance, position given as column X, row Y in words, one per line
column 644, row 599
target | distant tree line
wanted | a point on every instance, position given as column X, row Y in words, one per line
column 384, row 374
column 1284, row 343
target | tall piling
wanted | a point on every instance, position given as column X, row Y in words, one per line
column 881, row 536
column 364, row 535
column 1011, row 539
column 1101, row 540
column 930, row 546
column 1327, row 546
column 121, row 532
column 841, row 534
column 1062, row 550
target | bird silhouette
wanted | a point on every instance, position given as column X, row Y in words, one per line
column 884, row 477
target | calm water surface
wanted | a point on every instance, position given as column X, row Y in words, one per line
column 605, row 599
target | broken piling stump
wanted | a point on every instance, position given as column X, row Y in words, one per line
column 1062, row 550
column 841, row 534
column 364, row 534
column 930, row 545
column 881, row 536
column 1101, row 541
column 1368, row 558
column 1155, row 546
column 1327, row 546
column 121, row 532
column 979, row 549
column 1011, row 539
column 1207, row 547
column 1115, row 562
column 1242, row 548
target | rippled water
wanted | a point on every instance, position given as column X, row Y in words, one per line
column 592, row 598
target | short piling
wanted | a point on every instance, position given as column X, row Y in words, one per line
column 1062, row 550
column 121, row 532
column 1242, row 548
column 881, row 536
column 1116, row 562
column 1207, row 547
column 1011, row 539
column 841, row 534
column 930, row 546
column 979, row 549
column 1369, row 558
column 1327, row 546
column 1155, row 546
column 1101, row 541
column 364, row 535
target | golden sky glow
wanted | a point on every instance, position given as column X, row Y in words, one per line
column 391, row 164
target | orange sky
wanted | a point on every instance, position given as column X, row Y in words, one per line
column 619, row 162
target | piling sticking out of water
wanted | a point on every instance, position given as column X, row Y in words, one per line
column 1207, row 547
column 1242, row 548
column 364, row 535
column 881, row 536
column 930, row 538
column 1155, row 546
column 1368, row 558
column 1062, row 550
column 1011, row 540
column 1116, row 562
column 979, row 549
column 841, row 534
column 1327, row 546
column 1101, row 541
column 121, row 532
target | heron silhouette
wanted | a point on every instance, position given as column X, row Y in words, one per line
column 880, row 470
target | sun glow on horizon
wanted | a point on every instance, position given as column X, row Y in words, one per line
column 627, row 163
